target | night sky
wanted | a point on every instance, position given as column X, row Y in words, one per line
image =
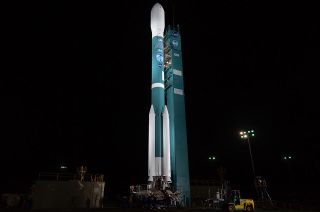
column 75, row 89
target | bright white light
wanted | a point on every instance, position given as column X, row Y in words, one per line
column 285, row 158
column 213, row 158
column 245, row 136
column 252, row 131
column 252, row 134
column 242, row 136
column 244, row 132
column 241, row 133
column 289, row 157
column 63, row 167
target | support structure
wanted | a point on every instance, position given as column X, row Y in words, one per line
column 174, row 89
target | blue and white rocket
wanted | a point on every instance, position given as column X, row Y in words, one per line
column 159, row 165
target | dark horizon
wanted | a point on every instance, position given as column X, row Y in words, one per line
column 76, row 89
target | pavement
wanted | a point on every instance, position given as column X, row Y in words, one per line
column 117, row 209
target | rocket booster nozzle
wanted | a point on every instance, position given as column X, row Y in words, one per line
column 157, row 20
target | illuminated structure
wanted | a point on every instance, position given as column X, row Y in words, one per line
column 246, row 136
column 168, row 164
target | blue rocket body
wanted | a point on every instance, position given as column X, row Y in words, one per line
column 157, row 90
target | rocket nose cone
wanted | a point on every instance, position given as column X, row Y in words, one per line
column 157, row 6
column 157, row 20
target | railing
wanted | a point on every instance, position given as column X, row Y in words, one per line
column 60, row 176
column 139, row 188
column 56, row 176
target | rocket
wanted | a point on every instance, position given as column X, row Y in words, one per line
column 159, row 164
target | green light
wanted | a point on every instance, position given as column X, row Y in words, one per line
column 252, row 134
column 252, row 131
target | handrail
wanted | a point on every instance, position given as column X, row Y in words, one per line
column 60, row 176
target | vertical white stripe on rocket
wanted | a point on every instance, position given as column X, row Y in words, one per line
column 151, row 151
column 166, row 146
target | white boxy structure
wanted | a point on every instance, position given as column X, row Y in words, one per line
column 61, row 193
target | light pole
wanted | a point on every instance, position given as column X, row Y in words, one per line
column 212, row 158
column 245, row 135
column 288, row 159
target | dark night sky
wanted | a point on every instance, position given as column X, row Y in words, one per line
column 76, row 88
